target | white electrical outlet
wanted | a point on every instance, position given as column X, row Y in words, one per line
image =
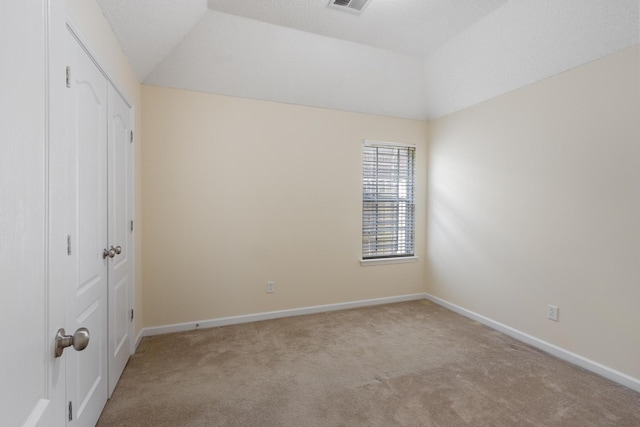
column 270, row 287
column 552, row 312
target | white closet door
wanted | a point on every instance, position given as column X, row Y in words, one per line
column 87, row 288
column 31, row 390
column 120, row 215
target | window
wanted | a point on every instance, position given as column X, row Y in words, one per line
column 388, row 200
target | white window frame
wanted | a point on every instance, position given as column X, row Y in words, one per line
column 401, row 194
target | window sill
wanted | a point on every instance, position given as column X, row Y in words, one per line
column 382, row 261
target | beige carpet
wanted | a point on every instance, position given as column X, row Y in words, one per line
column 406, row 364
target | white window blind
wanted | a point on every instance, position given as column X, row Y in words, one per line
column 388, row 200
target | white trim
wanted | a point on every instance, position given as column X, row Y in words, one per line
column 392, row 260
column 234, row 320
column 132, row 235
column 576, row 359
column 138, row 340
column 386, row 143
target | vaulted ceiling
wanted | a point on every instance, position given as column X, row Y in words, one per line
column 416, row 59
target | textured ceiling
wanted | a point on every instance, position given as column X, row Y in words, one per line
column 149, row 29
column 253, row 59
column 416, row 59
column 416, row 27
column 523, row 42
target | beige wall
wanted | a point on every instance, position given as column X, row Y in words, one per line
column 535, row 200
column 87, row 18
column 237, row 192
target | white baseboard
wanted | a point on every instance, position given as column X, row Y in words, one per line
column 233, row 320
column 576, row 359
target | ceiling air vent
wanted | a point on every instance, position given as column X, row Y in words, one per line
column 350, row 5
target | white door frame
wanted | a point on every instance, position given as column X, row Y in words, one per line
column 57, row 189
column 47, row 408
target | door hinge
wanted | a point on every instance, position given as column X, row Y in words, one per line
column 68, row 76
column 132, row 314
column 69, row 244
column 70, row 411
column 131, row 136
column 132, row 226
